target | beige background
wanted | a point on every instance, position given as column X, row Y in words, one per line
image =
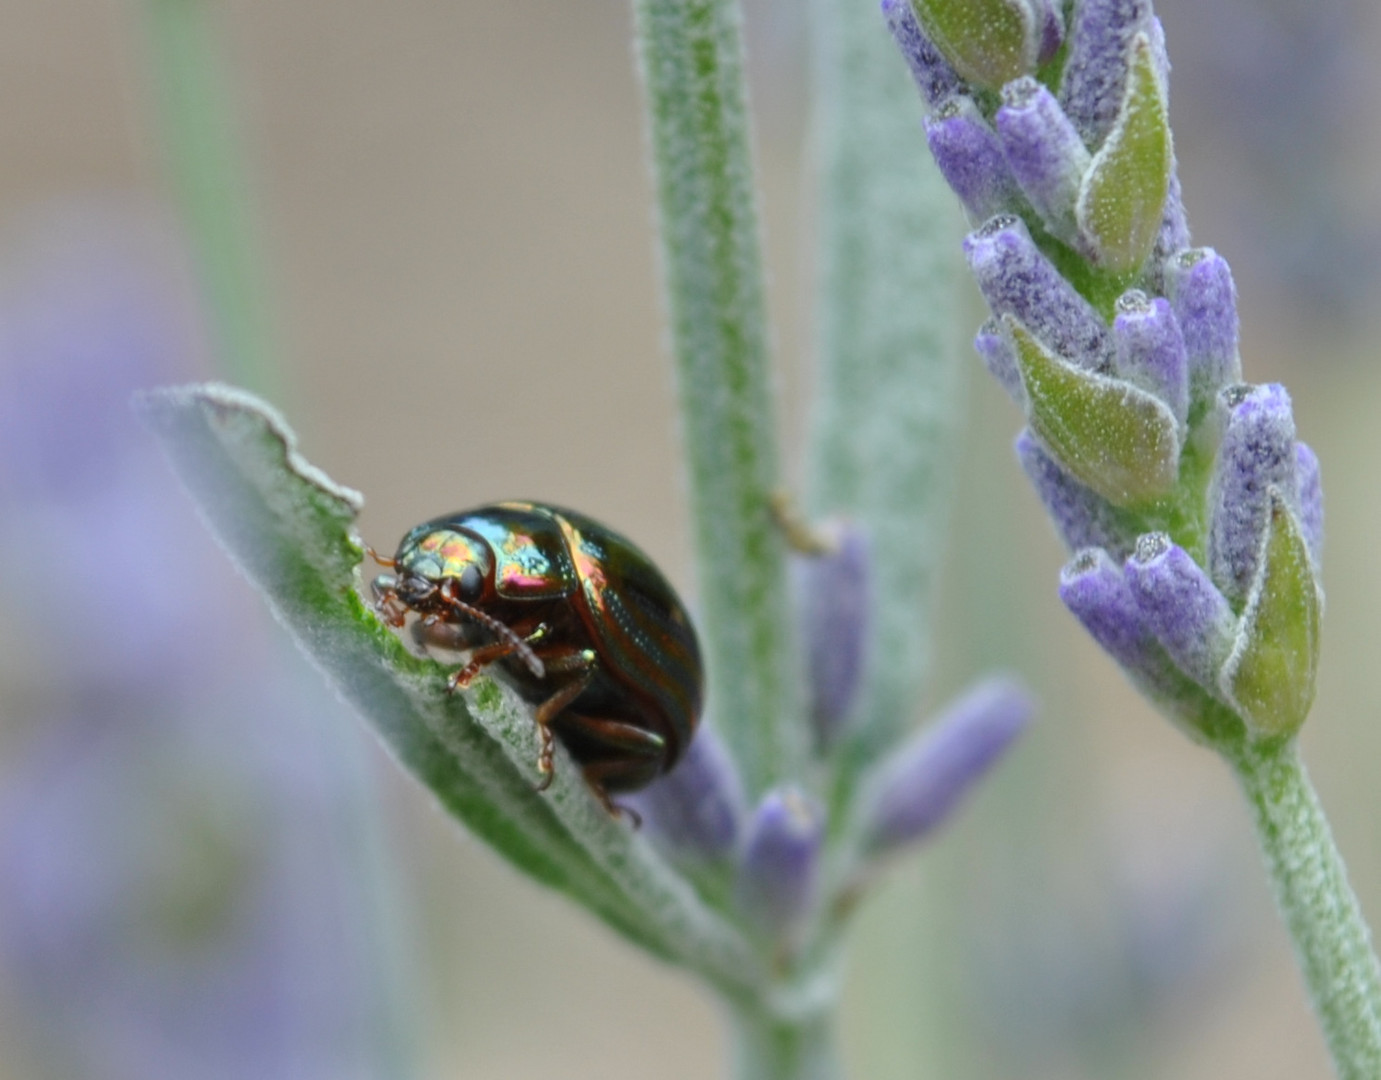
column 456, row 213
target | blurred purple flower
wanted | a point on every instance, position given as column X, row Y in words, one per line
column 183, row 880
column 927, row 777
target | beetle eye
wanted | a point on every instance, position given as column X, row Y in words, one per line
column 471, row 581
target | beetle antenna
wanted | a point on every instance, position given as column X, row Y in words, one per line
column 503, row 630
column 382, row 560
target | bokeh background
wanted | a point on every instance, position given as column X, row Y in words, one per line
column 207, row 869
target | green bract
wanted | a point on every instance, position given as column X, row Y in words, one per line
column 1113, row 437
column 1123, row 194
column 1270, row 674
column 989, row 42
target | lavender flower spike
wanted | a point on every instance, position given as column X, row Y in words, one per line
column 1257, row 453
column 781, row 860
column 1082, row 518
column 696, row 811
column 1184, row 609
column 1097, row 592
column 970, row 158
column 1044, row 151
column 1016, row 279
column 919, row 787
column 1151, row 351
column 1095, row 73
column 1201, row 291
column 934, row 76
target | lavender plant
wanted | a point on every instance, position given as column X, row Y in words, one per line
column 1194, row 514
column 802, row 781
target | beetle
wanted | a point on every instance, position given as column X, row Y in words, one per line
column 580, row 620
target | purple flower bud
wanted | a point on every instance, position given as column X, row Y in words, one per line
column 1150, row 350
column 1044, row 152
column 1257, row 453
column 834, row 593
column 1310, row 502
column 1000, row 359
column 921, row 784
column 1183, row 608
column 1082, row 518
column 970, row 158
column 697, row 810
column 1016, row 279
column 934, row 76
column 1098, row 593
column 1199, row 285
column 781, row 859
column 1095, row 72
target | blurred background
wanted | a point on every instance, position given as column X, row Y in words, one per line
column 208, row 869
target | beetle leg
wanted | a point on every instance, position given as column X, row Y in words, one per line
column 481, row 657
column 552, row 708
column 617, row 755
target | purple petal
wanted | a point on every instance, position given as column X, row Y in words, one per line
column 781, row 860
column 1051, row 21
column 1000, row 359
column 696, row 810
column 1182, row 606
column 1044, row 152
column 934, row 76
column 1081, row 517
column 1096, row 590
column 834, row 594
column 925, row 779
column 1016, row 279
column 1095, row 71
column 970, row 158
column 1257, row 453
column 1201, row 291
column 1310, row 501
column 1151, row 351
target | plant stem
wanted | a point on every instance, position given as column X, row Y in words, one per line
column 771, row 1048
column 198, row 132
column 1332, row 942
column 889, row 360
column 690, row 53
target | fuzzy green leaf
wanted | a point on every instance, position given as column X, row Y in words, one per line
column 1112, row 436
column 1271, row 672
column 1123, row 195
column 290, row 530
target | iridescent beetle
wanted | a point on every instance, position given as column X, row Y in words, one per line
column 579, row 619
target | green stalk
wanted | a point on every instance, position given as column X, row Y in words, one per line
column 889, row 362
column 691, row 59
column 198, row 132
column 770, row 1048
column 1332, row 942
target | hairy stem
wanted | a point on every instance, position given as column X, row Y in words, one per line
column 198, row 131
column 692, row 67
column 1331, row 938
column 888, row 349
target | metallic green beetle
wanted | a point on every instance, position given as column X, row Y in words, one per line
column 579, row 619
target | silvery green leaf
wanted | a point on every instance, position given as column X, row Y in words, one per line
column 289, row 528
